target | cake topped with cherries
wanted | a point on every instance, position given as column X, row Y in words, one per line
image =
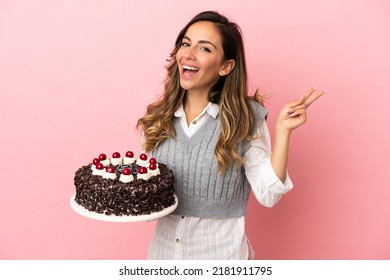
column 124, row 185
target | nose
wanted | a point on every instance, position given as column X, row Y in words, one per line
column 189, row 53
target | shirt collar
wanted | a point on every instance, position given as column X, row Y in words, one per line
column 212, row 109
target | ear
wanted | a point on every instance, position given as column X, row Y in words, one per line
column 227, row 67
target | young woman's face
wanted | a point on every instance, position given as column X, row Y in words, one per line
column 200, row 58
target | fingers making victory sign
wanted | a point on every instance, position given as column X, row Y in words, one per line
column 293, row 114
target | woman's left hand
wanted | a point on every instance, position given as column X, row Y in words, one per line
column 293, row 114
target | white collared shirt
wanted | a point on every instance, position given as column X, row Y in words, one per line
column 180, row 237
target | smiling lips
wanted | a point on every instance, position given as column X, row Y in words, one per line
column 189, row 71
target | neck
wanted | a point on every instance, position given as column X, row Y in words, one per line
column 194, row 104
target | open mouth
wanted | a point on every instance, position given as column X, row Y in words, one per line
column 189, row 69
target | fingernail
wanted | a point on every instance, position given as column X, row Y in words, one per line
column 303, row 96
column 325, row 90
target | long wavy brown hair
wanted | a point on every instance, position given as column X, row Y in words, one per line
column 230, row 92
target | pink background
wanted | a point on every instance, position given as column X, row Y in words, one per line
column 76, row 75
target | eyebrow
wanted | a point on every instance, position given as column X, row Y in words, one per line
column 200, row 41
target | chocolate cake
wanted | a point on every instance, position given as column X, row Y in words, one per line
column 124, row 186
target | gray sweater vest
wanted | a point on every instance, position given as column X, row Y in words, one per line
column 201, row 191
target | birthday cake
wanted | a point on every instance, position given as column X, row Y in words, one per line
column 124, row 186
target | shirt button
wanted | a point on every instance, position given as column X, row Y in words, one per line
column 182, row 217
column 177, row 240
column 194, row 122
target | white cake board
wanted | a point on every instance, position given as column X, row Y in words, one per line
column 123, row 219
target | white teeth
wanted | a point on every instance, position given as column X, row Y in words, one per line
column 190, row 68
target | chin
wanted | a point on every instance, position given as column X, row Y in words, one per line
column 185, row 86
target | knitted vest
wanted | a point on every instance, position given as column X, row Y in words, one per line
column 201, row 191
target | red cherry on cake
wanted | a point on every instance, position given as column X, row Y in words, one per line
column 152, row 160
column 126, row 171
column 102, row 157
column 129, row 154
column 142, row 170
column 143, row 156
column 152, row 166
column 110, row 169
column 96, row 161
column 99, row 166
column 116, row 155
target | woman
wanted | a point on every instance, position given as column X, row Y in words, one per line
column 214, row 138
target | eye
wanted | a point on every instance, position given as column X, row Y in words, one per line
column 205, row 49
column 185, row 44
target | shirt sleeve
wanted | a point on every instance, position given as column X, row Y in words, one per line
column 266, row 185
